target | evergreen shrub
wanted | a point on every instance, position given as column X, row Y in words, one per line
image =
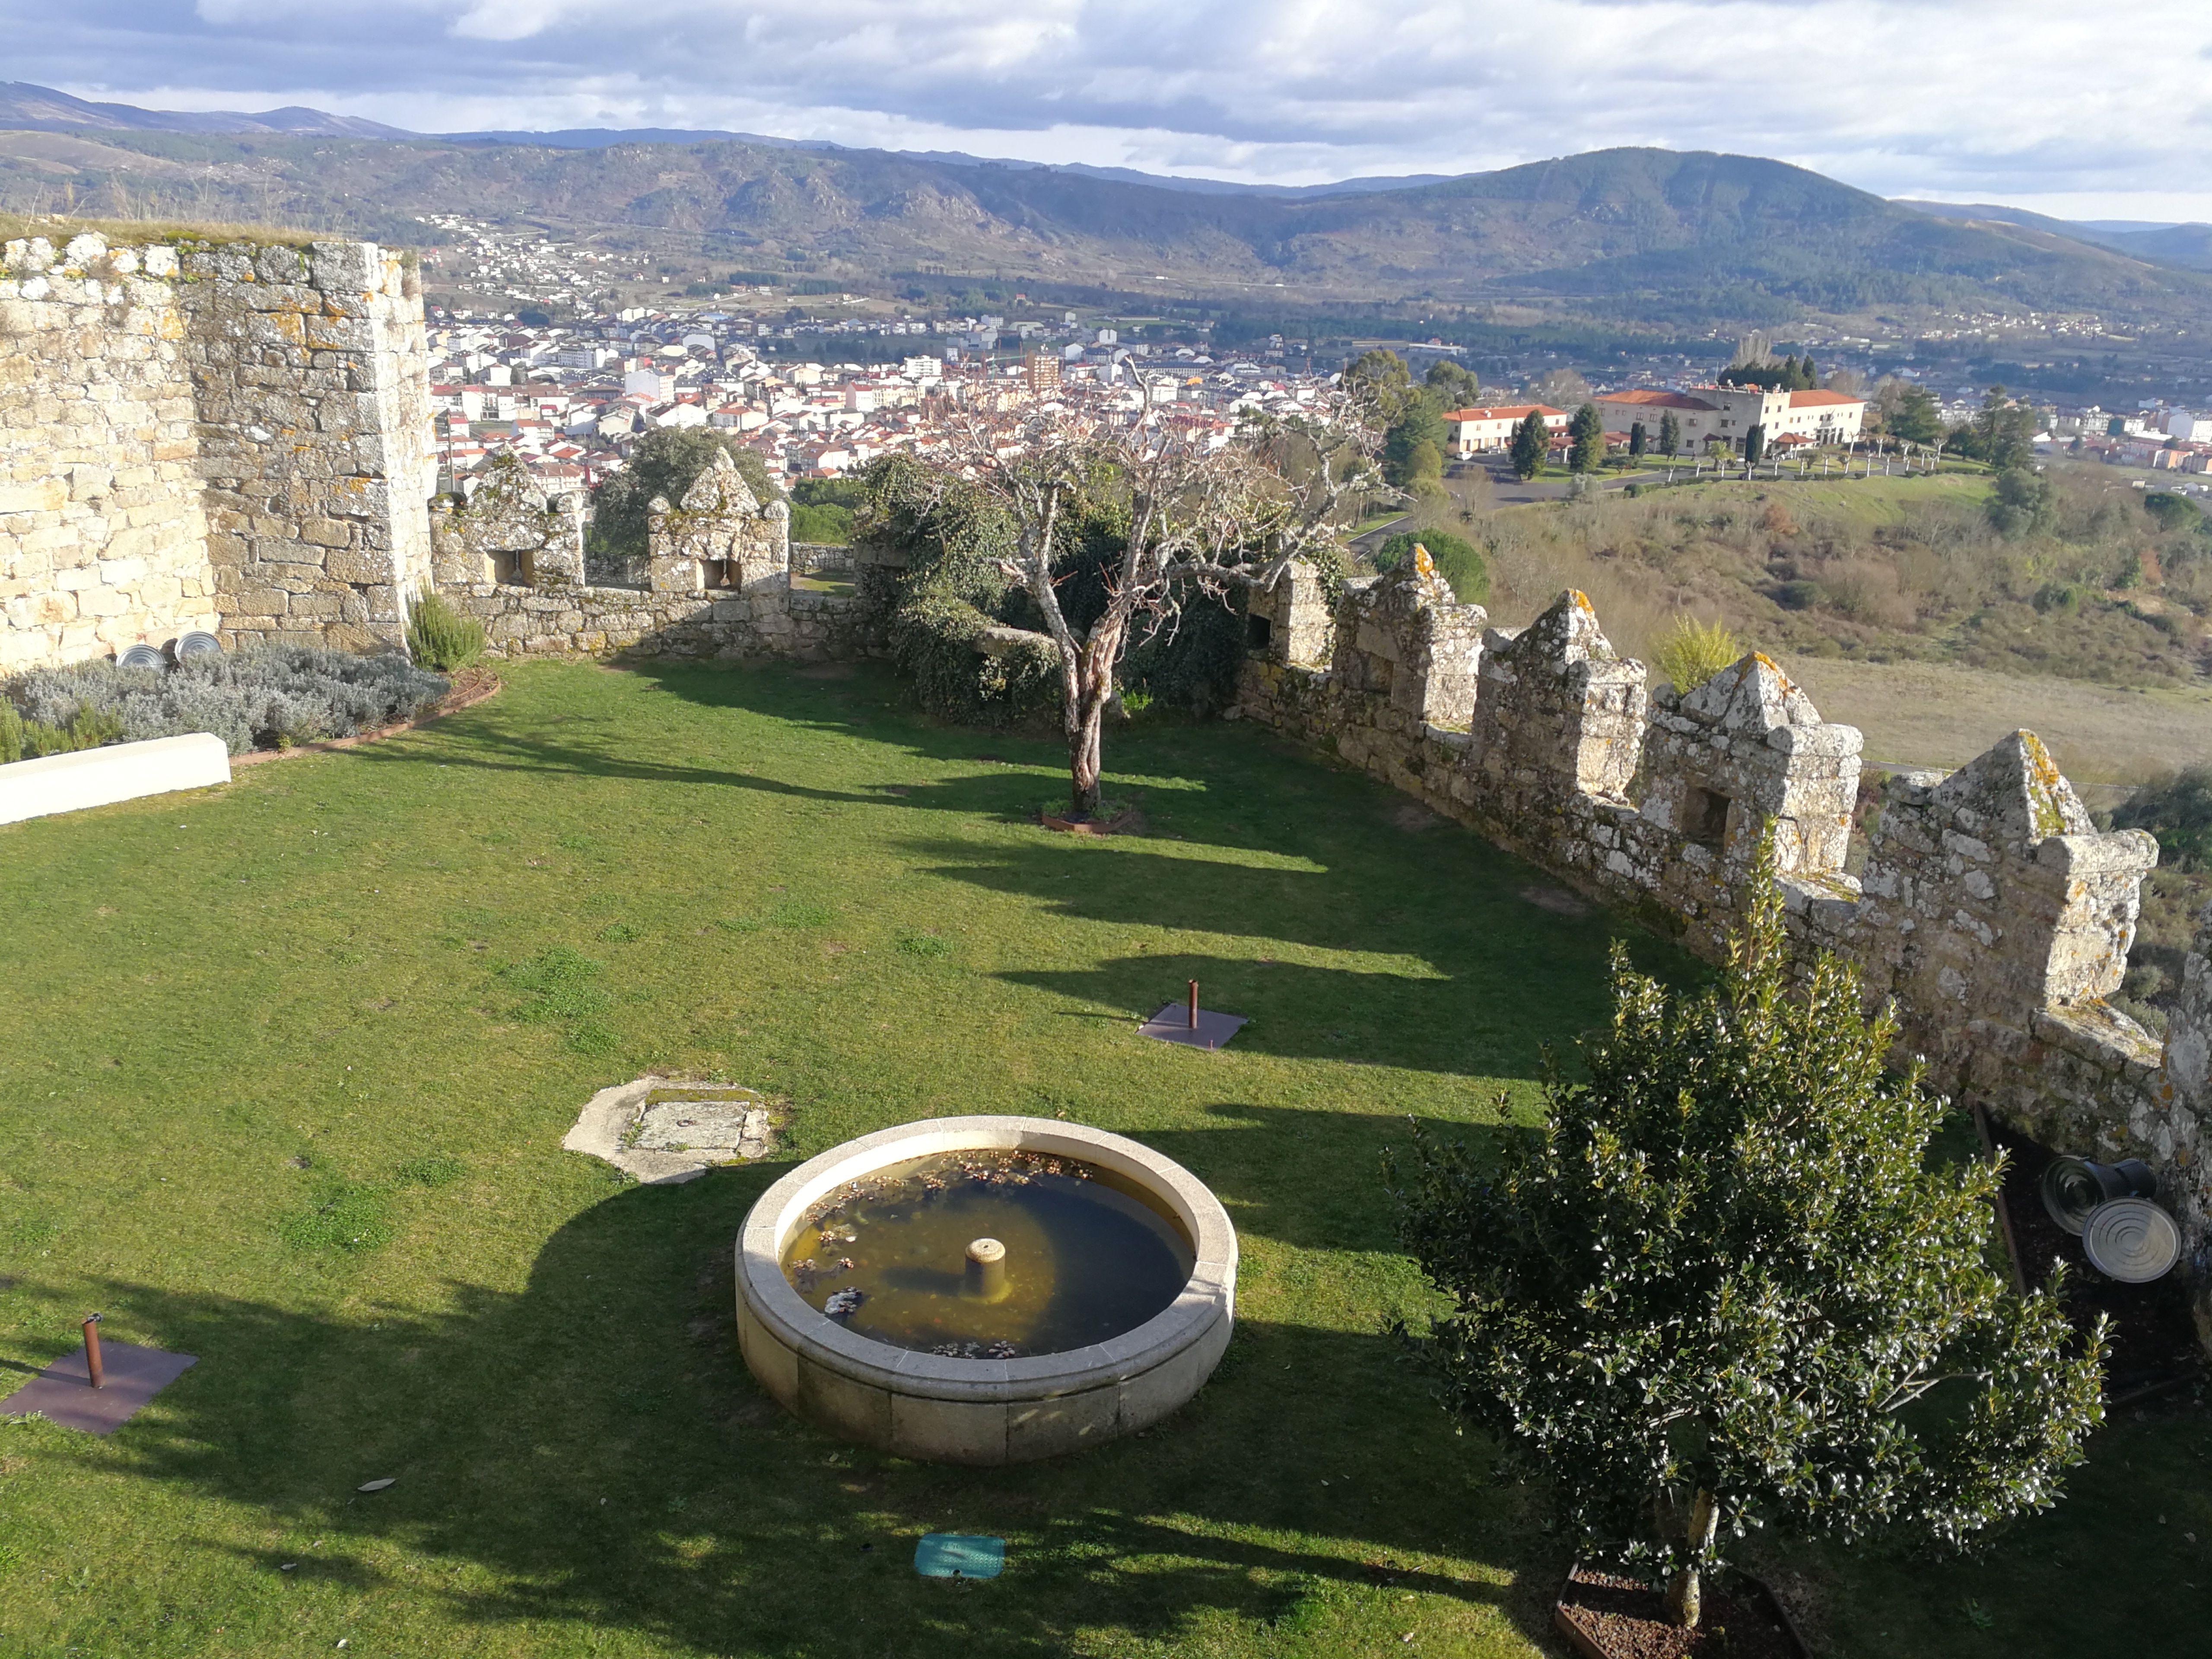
column 266, row 696
column 1726, row 1286
column 440, row 637
column 1457, row 561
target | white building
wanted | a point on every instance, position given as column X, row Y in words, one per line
column 1717, row 417
column 1471, row 431
column 2190, row 428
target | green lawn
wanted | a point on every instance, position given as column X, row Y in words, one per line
column 1867, row 502
column 269, row 1099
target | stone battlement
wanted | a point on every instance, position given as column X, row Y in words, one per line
column 716, row 575
column 1990, row 908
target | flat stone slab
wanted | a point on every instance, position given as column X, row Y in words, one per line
column 665, row 1132
column 1172, row 1024
column 63, row 1393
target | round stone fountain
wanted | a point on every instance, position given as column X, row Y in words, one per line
column 985, row 1290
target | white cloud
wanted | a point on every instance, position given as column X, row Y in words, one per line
column 1957, row 98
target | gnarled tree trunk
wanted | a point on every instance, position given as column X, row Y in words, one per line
column 1089, row 683
column 1685, row 1591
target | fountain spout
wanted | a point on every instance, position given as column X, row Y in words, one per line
column 986, row 1275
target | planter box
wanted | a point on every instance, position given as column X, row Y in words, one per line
column 122, row 771
column 1603, row 1616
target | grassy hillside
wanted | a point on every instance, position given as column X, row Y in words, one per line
column 1627, row 233
column 2098, row 590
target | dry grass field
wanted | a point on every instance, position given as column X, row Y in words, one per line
column 1921, row 713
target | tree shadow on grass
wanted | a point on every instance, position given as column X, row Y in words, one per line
column 1451, row 968
column 1311, row 1179
column 505, row 735
column 1469, row 967
column 593, row 1444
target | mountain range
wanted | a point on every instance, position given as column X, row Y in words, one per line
column 1634, row 235
column 2189, row 246
column 41, row 109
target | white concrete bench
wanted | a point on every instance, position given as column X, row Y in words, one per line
column 123, row 771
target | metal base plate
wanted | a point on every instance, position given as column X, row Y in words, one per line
column 63, row 1391
column 959, row 1555
column 1172, row 1024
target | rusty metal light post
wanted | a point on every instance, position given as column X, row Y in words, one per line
column 92, row 1353
column 1193, row 1005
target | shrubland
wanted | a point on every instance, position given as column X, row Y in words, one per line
column 2069, row 573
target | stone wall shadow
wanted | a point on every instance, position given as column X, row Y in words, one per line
column 593, row 1442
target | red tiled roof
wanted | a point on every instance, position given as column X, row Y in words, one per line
column 1651, row 397
column 1821, row 400
column 1507, row 412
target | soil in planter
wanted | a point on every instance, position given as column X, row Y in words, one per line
column 1112, row 818
column 1623, row 1618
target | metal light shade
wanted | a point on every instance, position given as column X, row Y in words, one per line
column 2073, row 1187
column 143, row 656
column 198, row 643
column 2132, row 1240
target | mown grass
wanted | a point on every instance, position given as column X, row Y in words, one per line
column 287, row 1066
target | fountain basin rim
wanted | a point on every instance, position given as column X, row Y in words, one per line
column 1206, row 1299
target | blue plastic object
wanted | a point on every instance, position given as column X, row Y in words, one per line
column 959, row 1555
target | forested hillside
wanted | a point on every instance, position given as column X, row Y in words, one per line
column 1628, row 234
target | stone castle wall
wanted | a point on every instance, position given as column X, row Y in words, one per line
column 1990, row 908
column 311, row 372
column 103, row 532
column 718, row 577
column 234, row 438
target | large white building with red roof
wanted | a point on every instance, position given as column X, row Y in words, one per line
column 1470, row 431
column 1716, row 417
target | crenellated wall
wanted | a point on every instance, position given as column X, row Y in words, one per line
column 230, row 437
column 718, row 577
column 1990, row 908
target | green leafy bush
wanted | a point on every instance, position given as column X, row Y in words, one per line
column 440, row 637
column 2174, row 512
column 87, row 728
column 1457, row 561
column 1799, row 594
column 1726, row 1286
column 1690, row 653
column 826, row 523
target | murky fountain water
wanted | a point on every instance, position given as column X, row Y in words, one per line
column 989, row 1255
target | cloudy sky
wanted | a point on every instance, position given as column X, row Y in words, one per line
column 2080, row 110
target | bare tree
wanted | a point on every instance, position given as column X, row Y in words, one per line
column 1205, row 512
